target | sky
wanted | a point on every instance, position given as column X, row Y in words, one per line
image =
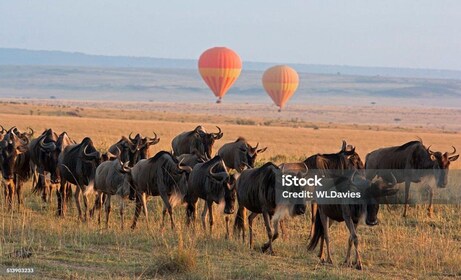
column 391, row 33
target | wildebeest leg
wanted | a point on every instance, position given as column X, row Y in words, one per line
column 250, row 227
column 352, row 239
column 276, row 223
column 10, row 197
column 122, row 207
column 210, row 216
column 267, row 222
column 167, row 205
column 144, row 206
column 107, row 208
column 325, row 224
column 97, row 202
column 163, row 216
column 430, row 209
column 407, row 194
column 85, row 203
column 313, row 216
column 68, row 194
column 205, row 209
column 19, row 192
column 61, row 196
column 77, row 202
column 227, row 227
column 137, row 210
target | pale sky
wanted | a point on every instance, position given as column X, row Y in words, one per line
column 397, row 33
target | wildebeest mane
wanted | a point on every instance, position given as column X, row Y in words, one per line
column 406, row 145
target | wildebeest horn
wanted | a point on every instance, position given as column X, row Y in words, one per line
column 184, row 167
column 219, row 134
column 49, row 147
column 394, row 180
column 220, row 176
column 3, row 129
column 429, row 150
column 90, row 156
column 304, row 174
column 343, row 148
column 31, row 132
column 359, row 183
column 255, row 147
column 125, row 168
column 454, row 151
column 116, row 155
column 131, row 139
column 154, row 140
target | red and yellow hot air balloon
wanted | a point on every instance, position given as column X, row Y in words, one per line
column 219, row 67
column 280, row 83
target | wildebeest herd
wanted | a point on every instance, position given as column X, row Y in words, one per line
column 191, row 172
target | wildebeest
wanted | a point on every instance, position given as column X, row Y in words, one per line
column 211, row 182
column 44, row 153
column 256, row 191
column 162, row 175
column 351, row 214
column 134, row 149
column 77, row 165
column 15, row 164
column 414, row 161
column 239, row 154
column 197, row 140
column 112, row 178
column 330, row 166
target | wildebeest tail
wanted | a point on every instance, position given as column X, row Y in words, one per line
column 239, row 223
column 318, row 232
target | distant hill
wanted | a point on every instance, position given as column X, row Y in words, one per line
column 9, row 56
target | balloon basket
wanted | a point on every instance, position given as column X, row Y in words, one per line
column 218, row 101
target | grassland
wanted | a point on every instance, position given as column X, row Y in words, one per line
column 415, row 247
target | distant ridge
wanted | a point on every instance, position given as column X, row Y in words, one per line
column 12, row 56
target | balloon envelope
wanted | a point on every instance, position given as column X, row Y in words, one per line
column 280, row 83
column 219, row 67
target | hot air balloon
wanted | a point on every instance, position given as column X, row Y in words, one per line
column 219, row 68
column 280, row 83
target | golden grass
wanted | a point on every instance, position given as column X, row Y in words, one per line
column 416, row 247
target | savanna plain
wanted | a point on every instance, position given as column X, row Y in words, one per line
column 65, row 248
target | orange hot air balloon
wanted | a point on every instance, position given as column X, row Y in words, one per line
column 219, row 67
column 280, row 83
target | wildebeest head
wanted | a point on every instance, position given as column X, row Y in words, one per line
column 127, row 185
column 219, row 176
column 142, row 145
column 441, row 164
column 49, row 153
column 11, row 146
column 207, row 140
column 252, row 153
column 90, row 159
column 372, row 191
column 351, row 155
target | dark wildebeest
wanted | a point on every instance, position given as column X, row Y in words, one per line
column 15, row 164
column 197, row 140
column 256, row 191
column 239, row 154
column 77, row 165
column 44, row 153
column 134, row 149
column 330, row 166
column 211, row 182
column 413, row 162
column 351, row 214
column 162, row 175
column 112, row 178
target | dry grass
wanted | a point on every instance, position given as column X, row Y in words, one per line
column 416, row 247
